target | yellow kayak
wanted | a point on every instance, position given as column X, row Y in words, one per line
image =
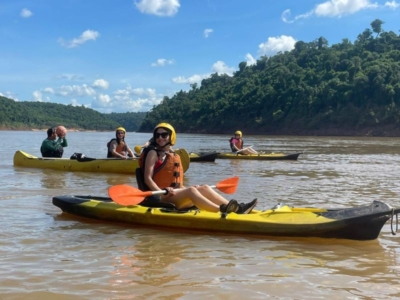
column 87, row 164
column 262, row 156
column 358, row 223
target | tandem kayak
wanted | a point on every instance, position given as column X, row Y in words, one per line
column 87, row 164
column 261, row 156
column 203, row 156
column 358, row 223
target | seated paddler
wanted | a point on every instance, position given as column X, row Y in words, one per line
column 163, row 170
column 117, row 147
column 51, row 146
column 236, row 143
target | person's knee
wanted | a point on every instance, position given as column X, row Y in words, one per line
column 204, row 188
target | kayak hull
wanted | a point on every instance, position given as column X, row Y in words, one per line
column 360, row 223
column 86, row 164
column 203, row 156
column 269, row 156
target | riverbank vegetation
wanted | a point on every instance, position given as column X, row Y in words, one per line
column 42, row 115
column 315, row 89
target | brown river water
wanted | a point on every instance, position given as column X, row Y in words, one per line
column 45, row 254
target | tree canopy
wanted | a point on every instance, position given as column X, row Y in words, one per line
column 344, row 89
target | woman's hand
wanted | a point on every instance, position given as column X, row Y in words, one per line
column 170, row 191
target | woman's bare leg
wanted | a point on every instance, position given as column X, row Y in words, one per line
column 191, row 196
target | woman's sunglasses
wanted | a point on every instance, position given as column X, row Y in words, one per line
column 121, row 132
column 162, row 134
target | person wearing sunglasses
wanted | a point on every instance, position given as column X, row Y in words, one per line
column 51, row 146
column 236, row 143
column 162, row 170
column 117, row 147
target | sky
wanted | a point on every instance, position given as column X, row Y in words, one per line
column 126, row 55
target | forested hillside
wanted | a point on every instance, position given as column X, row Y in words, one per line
column 131, row 121
column 343, row 89
column 42, row 115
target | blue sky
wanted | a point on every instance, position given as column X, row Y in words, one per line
column 124, row 55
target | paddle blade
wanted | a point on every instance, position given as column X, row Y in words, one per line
column 228, row 186
column 127, row 195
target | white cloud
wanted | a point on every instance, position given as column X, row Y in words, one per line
column 9, row 95
column 162, row 62
column 72, row 77
column 336, row 8
column 192, row 79
column 286, row 14
column 71, row 91
column 158, row 7
column 250, row 60
column 207, row 32
column 87, row 35
column 129, row 99
column 392, row 5
column 275, row 44
column 48, row 90
column 25, row 13
column 221, row 68
column 103, row 100
column 101, row 84
column 38, row 96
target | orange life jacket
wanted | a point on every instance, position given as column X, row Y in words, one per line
column 239, row 144
column 121, row 148
column 169, row 173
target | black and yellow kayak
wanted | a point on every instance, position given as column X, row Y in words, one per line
column 358, row 223
column 261, row 156
column 203, row 156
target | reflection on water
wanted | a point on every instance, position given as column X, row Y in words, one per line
column 46, row 254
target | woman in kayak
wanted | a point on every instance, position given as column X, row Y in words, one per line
column 117, row 147
column 236, row 144
column 163, row 170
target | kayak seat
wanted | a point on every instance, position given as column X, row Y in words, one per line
column 152, row 201
column 140, row 179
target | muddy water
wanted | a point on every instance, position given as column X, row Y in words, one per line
column 45, row 254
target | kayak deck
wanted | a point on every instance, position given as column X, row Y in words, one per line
column 263, row 156
column 359, row 223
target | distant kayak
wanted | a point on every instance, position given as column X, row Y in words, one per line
column 203, row 156
column 87, row 164
column 358, row 223
column 261, row 156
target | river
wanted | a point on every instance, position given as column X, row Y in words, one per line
column 45, row 254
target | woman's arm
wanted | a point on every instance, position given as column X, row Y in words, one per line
column 130, row 152
column 151, row 160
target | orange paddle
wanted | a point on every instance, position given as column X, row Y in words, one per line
column 128, row 195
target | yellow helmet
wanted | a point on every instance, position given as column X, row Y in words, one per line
column 239, row 133
column 138, row 149
column 169, row 128
column 120, row 129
